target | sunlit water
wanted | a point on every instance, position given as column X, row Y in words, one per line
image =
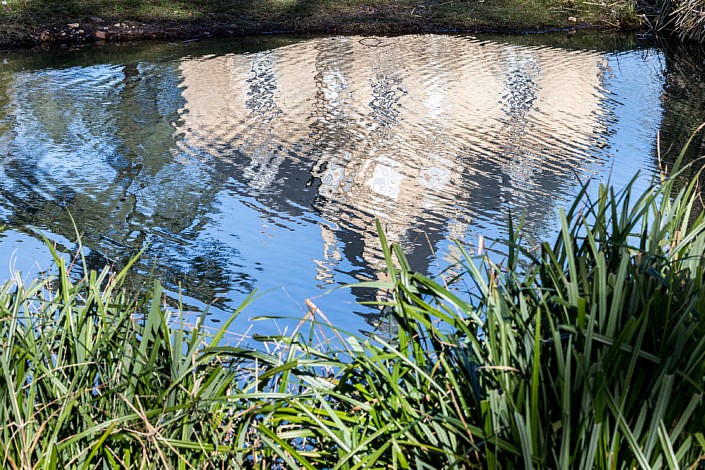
column 264, row 165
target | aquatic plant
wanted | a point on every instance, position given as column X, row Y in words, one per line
column 684, row 19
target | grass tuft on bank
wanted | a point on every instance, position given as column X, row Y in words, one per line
column 588, row 352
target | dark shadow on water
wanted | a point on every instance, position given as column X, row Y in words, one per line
column 683, row 101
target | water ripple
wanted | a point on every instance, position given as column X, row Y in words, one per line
column 213, row 160
column 401, row 129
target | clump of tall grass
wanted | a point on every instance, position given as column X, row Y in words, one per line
column 585, row 353
column 683, row 18
column 689, row 20
column 94, row 377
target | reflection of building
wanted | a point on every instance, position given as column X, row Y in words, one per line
column 431, row 134
column 414, row 132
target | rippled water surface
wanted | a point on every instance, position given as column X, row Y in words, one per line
column 264, row 164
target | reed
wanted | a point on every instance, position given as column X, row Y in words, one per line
column 92, row 377
column 690, row 20
column 684, row 19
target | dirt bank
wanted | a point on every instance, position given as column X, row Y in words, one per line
column 35, row 24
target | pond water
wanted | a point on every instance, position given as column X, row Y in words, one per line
column 264, row 163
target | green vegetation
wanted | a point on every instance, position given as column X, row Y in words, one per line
column 157, row 18
column 290, row 14
column 590, row 356
column 87, row 378
column 585, row 353
column 31, row 22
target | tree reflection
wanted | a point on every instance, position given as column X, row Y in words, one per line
column 683, row 101
column 95, row 145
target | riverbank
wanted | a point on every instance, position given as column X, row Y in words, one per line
column 36, row 23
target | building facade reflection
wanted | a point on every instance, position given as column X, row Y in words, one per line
column 424, row 134
column 436, row 136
